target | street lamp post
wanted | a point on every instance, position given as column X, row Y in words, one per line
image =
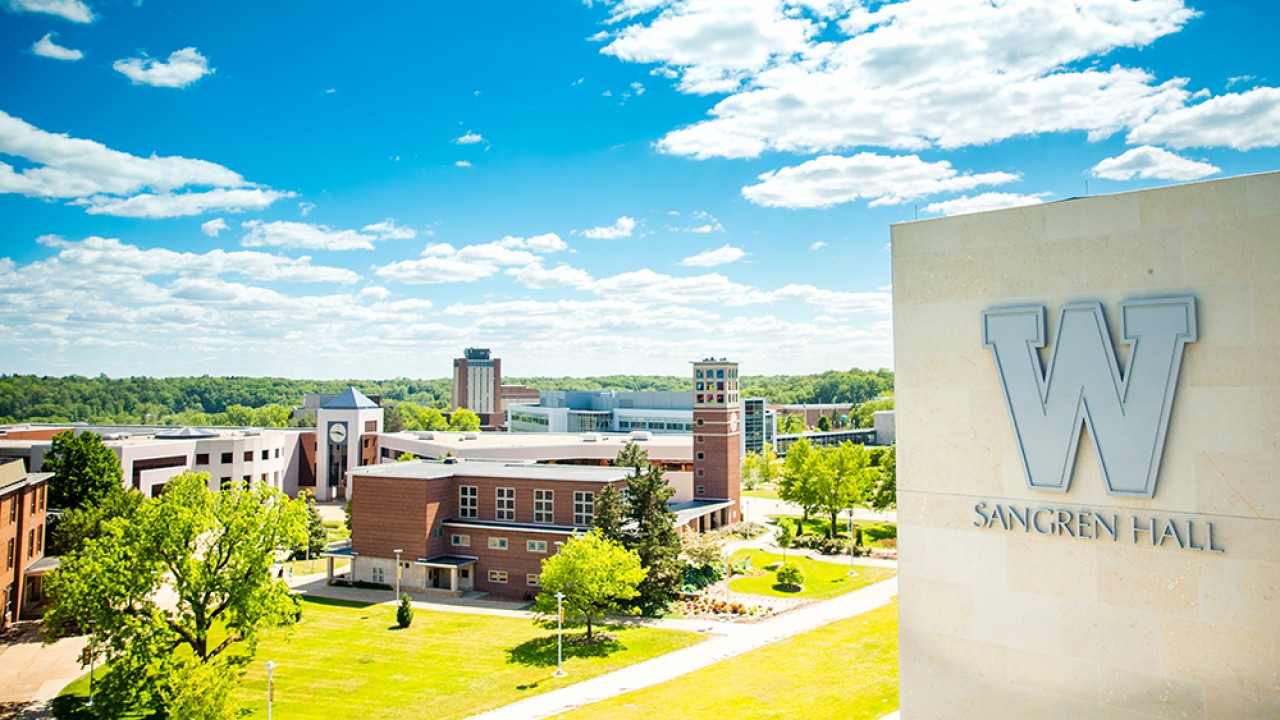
column 271, row 688
column 559, row 635
column 90, row 703
column 397, row 551
column 852, row 572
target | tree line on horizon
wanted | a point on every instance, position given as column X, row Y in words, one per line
column 266, row 401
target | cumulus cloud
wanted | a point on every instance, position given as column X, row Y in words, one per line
column 884, row 180
column 462, row 164
column 720, row 256
column 443, row 263
column 1241, row 121
column 182, row 68
column 388, row 230
column 469, row 138
column 621, row 228
column 1152, row 162
column 537, row 277
column 213, row 227
column 982, row 203
column 46, row 47
column 817, row 245
column 287, row 234
column 107, row 181
column 73, row 10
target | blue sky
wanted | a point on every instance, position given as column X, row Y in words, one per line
column 320, row 190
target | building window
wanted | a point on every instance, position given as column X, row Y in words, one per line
column 277, row 452
column 497, row 543
column 44, row 495
column 224, row 482
column 465, row 573
column 378, row 575
column 701, row 455
column 467, row 497
column 702, row 489
column 202, row 458
column 13, row 510
column 247, row 480
column 266, row 454
column 506, row 504
column 8, row 563
column 248, row 456
column 535, row 546
column 698, row 439
column 370, row 426
column 31, row 542
column 498, row 576
column 40, row 538
column 264, row 478
column 532, row 580
column 544, row 506
column 584, row 507
column 460, row 540
column 701, row 472
column 698, row 422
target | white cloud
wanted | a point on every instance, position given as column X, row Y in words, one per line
column 166, row 205
column 719, row 256
column 1241, row 121
column 108, row 181
column 388, row 230
column 283, row 233
column 444, row 263
column 884, row 180
column 305, row 208
column 838, row 302
column 183, row 67
column 213, row 227
column 73, row 10
column 46, row 47
column 817, row 245
column 621, row 228
column 1152, row 162
column 820, row 77
column 463, row 164
column 537, row 277
column 469, row 138
column 982, row 203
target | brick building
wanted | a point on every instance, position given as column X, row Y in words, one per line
column 717, row 438
column 23, row 499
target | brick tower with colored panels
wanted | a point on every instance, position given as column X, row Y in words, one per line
column 717, row 442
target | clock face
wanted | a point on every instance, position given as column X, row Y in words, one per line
column 338, row 433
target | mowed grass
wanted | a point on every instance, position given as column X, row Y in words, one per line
column 822, row 579
column 847, row 670
column 346, row 660
column 874, row 532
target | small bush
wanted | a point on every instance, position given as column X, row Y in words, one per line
column 404, row 612
column 745, row 530
column 824, row 545
column 791, row 575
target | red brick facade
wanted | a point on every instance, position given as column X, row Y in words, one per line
column 23, row 499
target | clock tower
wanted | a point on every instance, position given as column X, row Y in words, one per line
column 717, row 436
column 347, row 426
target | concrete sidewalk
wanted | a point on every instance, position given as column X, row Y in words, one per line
column 743, row 638
column 32, row 674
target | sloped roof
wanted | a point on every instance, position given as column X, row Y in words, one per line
column 350, row 399
column 186, row 432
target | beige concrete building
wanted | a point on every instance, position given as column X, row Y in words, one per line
column 1028, row 590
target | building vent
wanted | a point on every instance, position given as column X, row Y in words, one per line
column 591, row 437
column 471, row 436
column 641, row 435
column 426, row 436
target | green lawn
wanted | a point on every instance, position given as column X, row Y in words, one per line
column 874, row 532
column 314, row 565
column 847, row 670
column 762, row 492
column 822, row 579
column 346, row 660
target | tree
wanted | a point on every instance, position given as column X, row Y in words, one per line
column 824, row 423
column 885, row 494
column 404, row 611
column 648, row 527
column 798, row 484
column 608, row 519
column 392, row 418
column 791, row 576
column 317, row 535
column 84, row 470
column 842, row 480
column 786, row 536
column 212, row 549
column 407, row 457
column 464, row 419
column 864, row 415
column 790, row 424
column 83, row 524
column 760, row 466
column 596, row 576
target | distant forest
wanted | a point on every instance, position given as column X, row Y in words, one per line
column 266, row 400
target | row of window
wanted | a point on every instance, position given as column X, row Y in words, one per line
column 717, row 373
column 500, row 576
column 544, row 505
column 228, row 457
column 499, row 543
column 37, row 503
column 35, row 544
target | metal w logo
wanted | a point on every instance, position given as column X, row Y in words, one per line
column 1126, row 414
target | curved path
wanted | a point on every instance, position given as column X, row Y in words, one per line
column 730, row 640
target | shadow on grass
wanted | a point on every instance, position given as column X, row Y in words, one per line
column 73, row 707
column 541, row 651
column 335, row 602
column 779, row 587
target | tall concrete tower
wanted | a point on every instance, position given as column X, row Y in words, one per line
column 717, row 431
column 477, row 386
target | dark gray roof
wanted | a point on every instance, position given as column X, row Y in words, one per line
column 350, row 399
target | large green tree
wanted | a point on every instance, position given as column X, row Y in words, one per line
column 608, row 517
column 210, row 552
column 79, row 526
column 596, row 576
column 790, row 424
column 885, row 494
column 799, row 477
column 464, row 419
column 648, row 528
column 846, row 478
column 84, row 470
